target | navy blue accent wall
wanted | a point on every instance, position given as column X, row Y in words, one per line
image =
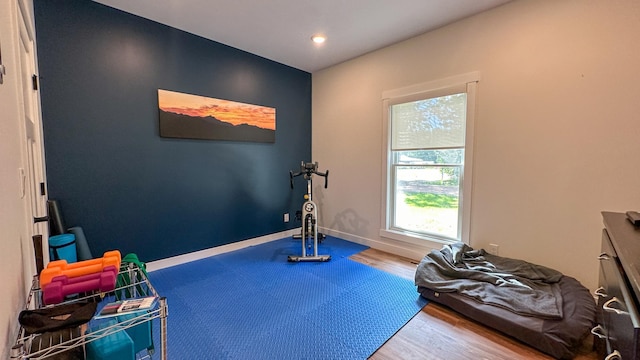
column 114, row 176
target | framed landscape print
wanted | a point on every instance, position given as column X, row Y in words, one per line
column 187, row 116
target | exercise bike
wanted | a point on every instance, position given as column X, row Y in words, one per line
column 309, row 215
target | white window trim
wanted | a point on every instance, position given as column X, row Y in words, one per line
column 411, row 93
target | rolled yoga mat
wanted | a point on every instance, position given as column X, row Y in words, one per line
column 82, row 248
column 56, row 224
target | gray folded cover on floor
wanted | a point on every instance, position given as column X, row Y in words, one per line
column 516, row 285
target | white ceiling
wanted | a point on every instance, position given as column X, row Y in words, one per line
column 281, row 30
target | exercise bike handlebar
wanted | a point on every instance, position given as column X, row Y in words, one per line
column 291, row 176
column 325, row 175
column 308, row 170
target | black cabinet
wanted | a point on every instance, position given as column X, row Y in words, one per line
column 618, row 328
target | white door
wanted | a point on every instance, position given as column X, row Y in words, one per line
column 34, row 185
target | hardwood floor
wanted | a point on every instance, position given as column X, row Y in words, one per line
column 439, row 333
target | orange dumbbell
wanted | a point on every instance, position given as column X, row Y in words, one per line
column 61, row 267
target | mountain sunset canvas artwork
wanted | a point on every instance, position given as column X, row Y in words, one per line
column 189, row 116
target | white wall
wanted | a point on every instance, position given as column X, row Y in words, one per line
column 13, row 221
column 557, row 127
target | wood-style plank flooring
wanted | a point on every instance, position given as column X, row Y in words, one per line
column 439, row 333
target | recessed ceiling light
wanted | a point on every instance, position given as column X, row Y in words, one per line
column 318, row 39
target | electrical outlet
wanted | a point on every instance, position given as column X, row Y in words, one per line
column 493, row 249
column 286, row 217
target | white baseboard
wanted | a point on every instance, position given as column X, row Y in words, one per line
column 197, row 255
column 411, row 251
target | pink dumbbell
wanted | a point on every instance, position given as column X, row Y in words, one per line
column 61, row 286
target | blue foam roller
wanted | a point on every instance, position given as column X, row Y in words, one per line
column 82, row 248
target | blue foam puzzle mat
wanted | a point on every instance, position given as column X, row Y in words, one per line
column 254, row 304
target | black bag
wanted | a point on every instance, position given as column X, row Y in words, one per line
column 58, row 317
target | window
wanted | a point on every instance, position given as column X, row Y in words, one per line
column 429, row 155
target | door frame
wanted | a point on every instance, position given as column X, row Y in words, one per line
column 34, row 189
